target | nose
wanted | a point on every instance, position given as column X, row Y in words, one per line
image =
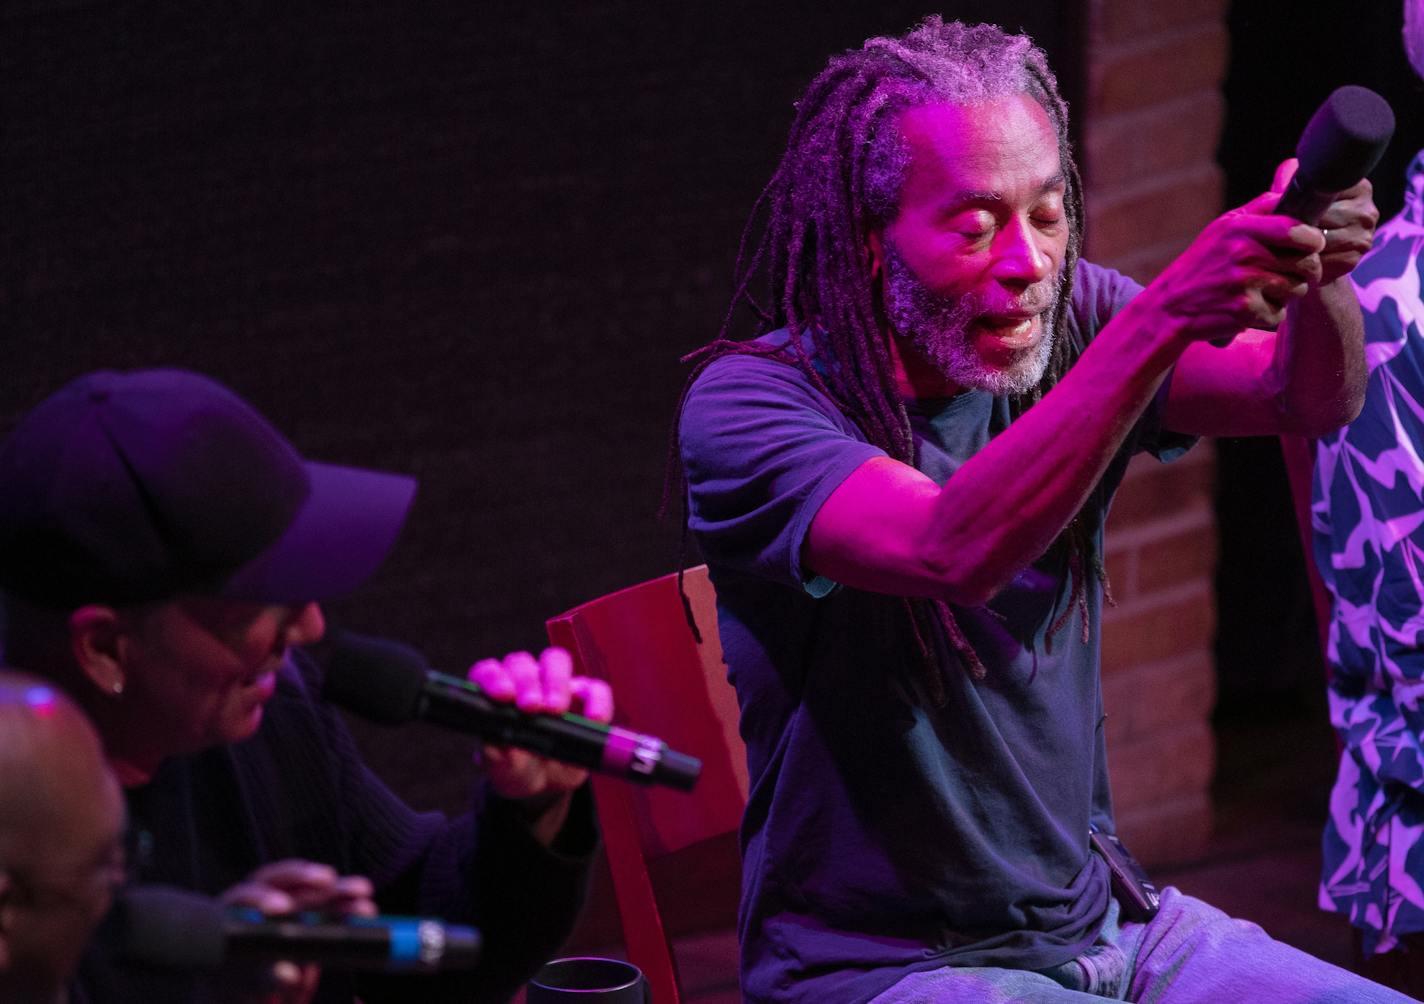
column 1021, row 259
column 306, row 625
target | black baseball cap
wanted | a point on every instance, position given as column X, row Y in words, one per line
column 131, row 487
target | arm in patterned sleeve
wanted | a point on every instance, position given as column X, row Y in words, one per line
column 1369, row 517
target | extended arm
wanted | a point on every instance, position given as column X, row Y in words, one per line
column 889, row 529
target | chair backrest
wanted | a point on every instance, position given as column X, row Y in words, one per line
column 668, row 684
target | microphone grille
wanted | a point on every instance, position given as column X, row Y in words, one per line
column 378, row 679
column 1345, row 138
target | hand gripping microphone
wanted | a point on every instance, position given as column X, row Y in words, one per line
column 1342, row 143
column 163, row 926
column 391, row 684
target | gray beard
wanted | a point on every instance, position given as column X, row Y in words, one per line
column 938, row 326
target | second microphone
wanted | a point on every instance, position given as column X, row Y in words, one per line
column 390, row 683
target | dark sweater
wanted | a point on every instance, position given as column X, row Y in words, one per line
column 299, row 789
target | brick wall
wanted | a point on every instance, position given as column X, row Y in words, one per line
column 1150, row 130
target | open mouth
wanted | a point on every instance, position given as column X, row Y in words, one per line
column 1012, row 331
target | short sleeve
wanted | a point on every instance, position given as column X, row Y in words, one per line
column 763, row 449
column 1098, row 295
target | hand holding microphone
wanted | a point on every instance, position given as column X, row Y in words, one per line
column 280, row 888
column 542, row 685
column 390, row 683
column 1249, row 263
column 1341, row 144
column 175, row 928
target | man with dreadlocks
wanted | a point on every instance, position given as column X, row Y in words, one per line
column 900, row 487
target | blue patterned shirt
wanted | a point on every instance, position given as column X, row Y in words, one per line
column 1368, row 517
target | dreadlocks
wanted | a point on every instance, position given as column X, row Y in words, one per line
column 803, row 265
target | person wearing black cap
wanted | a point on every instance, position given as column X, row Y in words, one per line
column 162, row 553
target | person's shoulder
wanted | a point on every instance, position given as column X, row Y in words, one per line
column 761, row 395
column 1099, row 290
column 769, row 358
column 762, row 372
column 1098, row 294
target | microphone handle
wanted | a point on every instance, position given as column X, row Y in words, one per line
column 383, row 944
column 1305, row 204
column 257, row 938
column 608, row 749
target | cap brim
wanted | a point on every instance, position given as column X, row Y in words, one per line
column 342, row 533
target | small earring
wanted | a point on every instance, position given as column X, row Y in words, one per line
column 117, row 688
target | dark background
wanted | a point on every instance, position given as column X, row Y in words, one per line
column 467, row 241
column 471, row 240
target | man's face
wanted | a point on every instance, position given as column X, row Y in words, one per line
column 971, row 262
column 65, row 869
column 201, row 669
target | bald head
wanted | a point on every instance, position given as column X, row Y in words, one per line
column 61, row 821
column 49, row 758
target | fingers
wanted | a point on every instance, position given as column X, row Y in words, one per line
column 1351, row 219
column 260, row 897
column 516, row 679
column 1284, row 172
column 557, row 667
column 353, row 896
column 1354, row 201
column 596, row 697
column 1247, row 265
column 544, row 685
column 293, row 885
column 1276, row 234
column 295, row 984
column 533, row 685
column 1269, row 260
column 1350, row 223
column 294, row 874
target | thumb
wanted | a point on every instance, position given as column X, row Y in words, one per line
column 1284, row 173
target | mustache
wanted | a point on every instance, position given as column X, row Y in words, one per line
column 1036, row 299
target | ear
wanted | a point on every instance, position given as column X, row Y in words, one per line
column 99, row 642
column 875, row 251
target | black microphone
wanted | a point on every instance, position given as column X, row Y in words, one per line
column 391, row 684
column 1342, row 143
column 164, row 926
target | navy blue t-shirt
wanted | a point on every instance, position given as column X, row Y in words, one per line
column 885, row 834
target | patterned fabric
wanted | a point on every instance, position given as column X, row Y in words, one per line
column 1368, row 517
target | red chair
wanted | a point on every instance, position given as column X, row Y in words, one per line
column 672, row 855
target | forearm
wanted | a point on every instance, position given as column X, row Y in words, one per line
column 1007, row 504
column 1318, row 370
column 889, row 529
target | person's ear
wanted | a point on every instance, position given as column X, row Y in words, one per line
column 99, row 642
column 875, row 251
